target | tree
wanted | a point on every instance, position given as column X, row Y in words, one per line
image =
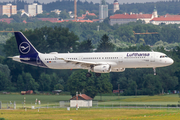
column 53, row 15
column 106, row 20
column 122, row 81
column 103, row 84
column 77, row 82
column 4, row 16
column 20, row 83
column 103, row 2
column 90, row 17
column 64, row 15
column 105, row 45
column 5, row 79
column 91, row 88
column 44, row 82
column 85, row 46
column 119, row 12
column 54, row 80
column 131, row 88
column 58, row 87
column 46, row 39
column 29, row 82
column 16, row 18
column 152, row 84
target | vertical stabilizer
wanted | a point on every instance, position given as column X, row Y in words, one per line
column 24, row 46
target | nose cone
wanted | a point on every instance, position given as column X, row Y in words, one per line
column 170, row 61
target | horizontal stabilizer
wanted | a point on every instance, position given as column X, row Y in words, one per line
column 19, row 58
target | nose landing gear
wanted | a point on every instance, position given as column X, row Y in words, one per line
column 88, row 74
column 154, row 71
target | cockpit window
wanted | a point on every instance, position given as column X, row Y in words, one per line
column 163, row 56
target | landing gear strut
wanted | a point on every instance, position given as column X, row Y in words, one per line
column 88, row 74
column 154, row 71
column 98, row 74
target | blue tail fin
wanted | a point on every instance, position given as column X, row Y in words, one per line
column 24, row 46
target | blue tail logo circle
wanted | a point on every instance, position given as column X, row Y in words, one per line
column 24, row 48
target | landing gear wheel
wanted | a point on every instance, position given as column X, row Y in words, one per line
column 88, row 75
column 98, row 74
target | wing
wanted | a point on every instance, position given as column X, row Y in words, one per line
column 82, row 63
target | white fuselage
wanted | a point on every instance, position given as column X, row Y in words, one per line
column 115, row 59
column 118, row 61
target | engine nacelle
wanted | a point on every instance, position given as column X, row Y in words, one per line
column 118, row 70
column 102, row 69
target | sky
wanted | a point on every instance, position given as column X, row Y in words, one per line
column 96, row 1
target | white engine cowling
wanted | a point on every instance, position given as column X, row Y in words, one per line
column 118, row 70
column 102, row 69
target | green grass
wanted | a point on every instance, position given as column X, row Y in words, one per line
column 51, row 100
column 90, row 114
column 161, row 98
column 46, row 100
column 143, row 98
column 57, row 98
column 32, row 98
column 158, row 100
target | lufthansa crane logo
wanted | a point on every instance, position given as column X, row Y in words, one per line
column 24, row 47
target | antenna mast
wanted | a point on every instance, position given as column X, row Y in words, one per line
column 75, row 10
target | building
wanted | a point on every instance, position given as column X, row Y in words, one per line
column 126, row 18
column 82, row 100
column 8, row 10
column 103, row 11
column 22, row 11
column 116, row 6
column 57, row 11
column 53, row 20
column 87, row 13
column 33, row 9
column 155, row 13
column 6, row 20
column 57, row 20
column 132, row 17
column 166, row 19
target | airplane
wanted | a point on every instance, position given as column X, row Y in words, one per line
column 101, row 62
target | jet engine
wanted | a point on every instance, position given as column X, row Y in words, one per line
column 102, row 69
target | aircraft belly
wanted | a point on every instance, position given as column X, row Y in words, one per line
column 136, row 64
column 62, row 65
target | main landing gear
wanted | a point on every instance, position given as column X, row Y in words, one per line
column 89, row 74
column 98, row 74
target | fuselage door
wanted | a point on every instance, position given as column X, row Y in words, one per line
column 81, row 58
column 120, row 59
column 152, row 57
